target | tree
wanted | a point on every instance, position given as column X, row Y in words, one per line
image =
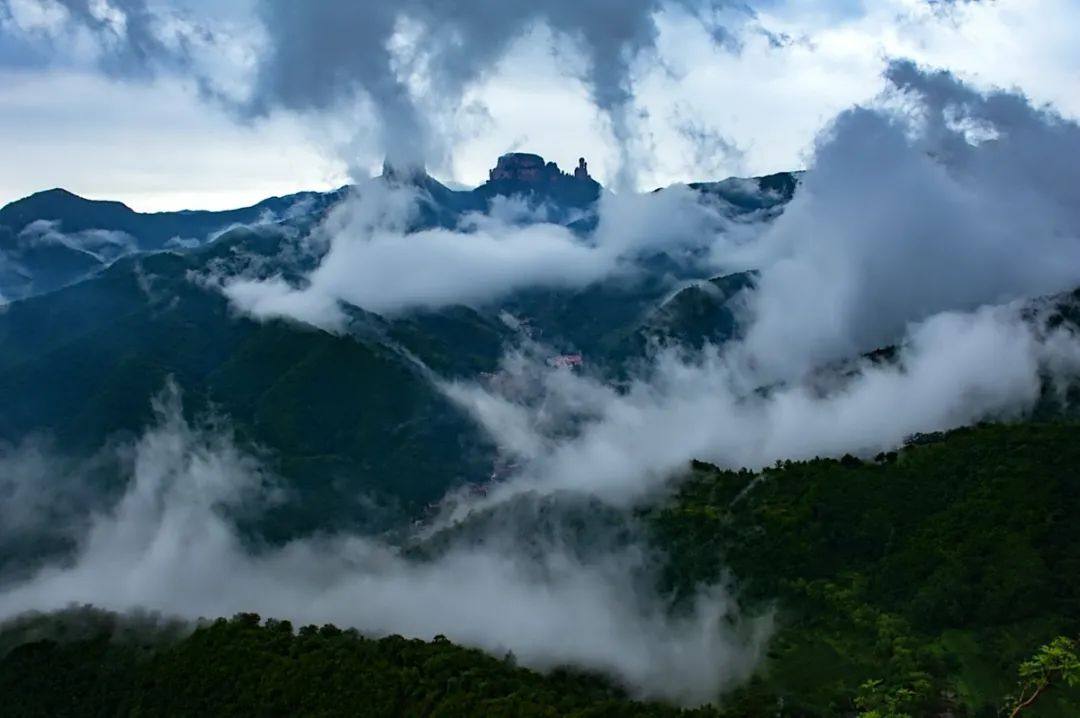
column 1055, row 663
column 877, row 700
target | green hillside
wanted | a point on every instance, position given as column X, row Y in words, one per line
column 86, row 664
column 920, row 581
column 351, row 421
column 935, row 570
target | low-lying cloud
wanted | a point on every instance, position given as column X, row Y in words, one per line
column 167, row 545
column 935, row 198
column 942, row 199
column 918, row 213
column 952, row 370
column 376, row 262
column 103, row 245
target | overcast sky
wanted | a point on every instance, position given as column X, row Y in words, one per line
column 82, row 106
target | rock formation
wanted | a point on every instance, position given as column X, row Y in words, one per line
column 523, row 173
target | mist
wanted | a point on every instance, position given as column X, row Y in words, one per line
column 404, row 67
column 168, row 546
column 952, row 370
column 377, row 261
column 941, row 198
column 919, row 223
column 100, row 244
column 924, row 221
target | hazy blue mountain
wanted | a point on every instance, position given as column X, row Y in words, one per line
column 54, row 238
column 352, row 420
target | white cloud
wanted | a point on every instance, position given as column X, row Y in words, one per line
column 902, row 217
column 769, row 101
column 375, row 262
column 166, row 546
column 101, row 244
column 954, row 369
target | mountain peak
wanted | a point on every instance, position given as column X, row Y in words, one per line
column 56, row 193
column 60, row 198
column 528, row 173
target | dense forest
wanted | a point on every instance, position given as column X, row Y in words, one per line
column 928, row 574
column 243, row 667
column 942, row 579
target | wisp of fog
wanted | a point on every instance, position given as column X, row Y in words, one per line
column 923, row 222
column 167, row 544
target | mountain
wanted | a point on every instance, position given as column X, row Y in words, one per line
column 913, row 584
column 919, row 581
column 932, row 571
column 152, row 230
column 54, row 238
column 85, row 664
column 346, row 417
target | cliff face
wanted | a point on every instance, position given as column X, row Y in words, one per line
column 524, row 167
column 522, row 173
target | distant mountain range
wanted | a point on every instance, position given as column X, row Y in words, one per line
column 898, row 573
column 53, row 238
column 106, row 312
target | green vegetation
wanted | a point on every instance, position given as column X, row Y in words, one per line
column 919, row 584
column 352, row 422
column 246, row 668
column 910, row 585
column 1055, row 663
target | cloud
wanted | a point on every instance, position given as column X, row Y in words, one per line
column 102, row 244
column 918, row 214
column 623, row 446
column 320, row 56
column 108, row 139
column 709, row 150
column 166, row 545
column 409, row 64
column 26, row 501
column 938, row 198
column 919, row 210
column 130, row 39
column 377, row 261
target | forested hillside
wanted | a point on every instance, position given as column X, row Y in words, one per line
column 347, row 418
column 242, row 667
column 935, row 570
column 918, row 582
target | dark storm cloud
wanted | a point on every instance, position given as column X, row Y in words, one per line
column 413, row 60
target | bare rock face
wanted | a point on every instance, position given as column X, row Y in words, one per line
column 581, row 172
column 522, row 167
column 526, row 173
column 532, row 169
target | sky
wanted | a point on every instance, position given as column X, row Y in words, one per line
column 175, row 105
column 933, row 211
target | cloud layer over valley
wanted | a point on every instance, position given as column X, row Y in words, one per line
column 168, row 544
column 928, row 224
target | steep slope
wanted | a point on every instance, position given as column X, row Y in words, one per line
column 349, row 420
column 935, row 570
column 94, row 664
column 53, row 238
column 920, row 580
